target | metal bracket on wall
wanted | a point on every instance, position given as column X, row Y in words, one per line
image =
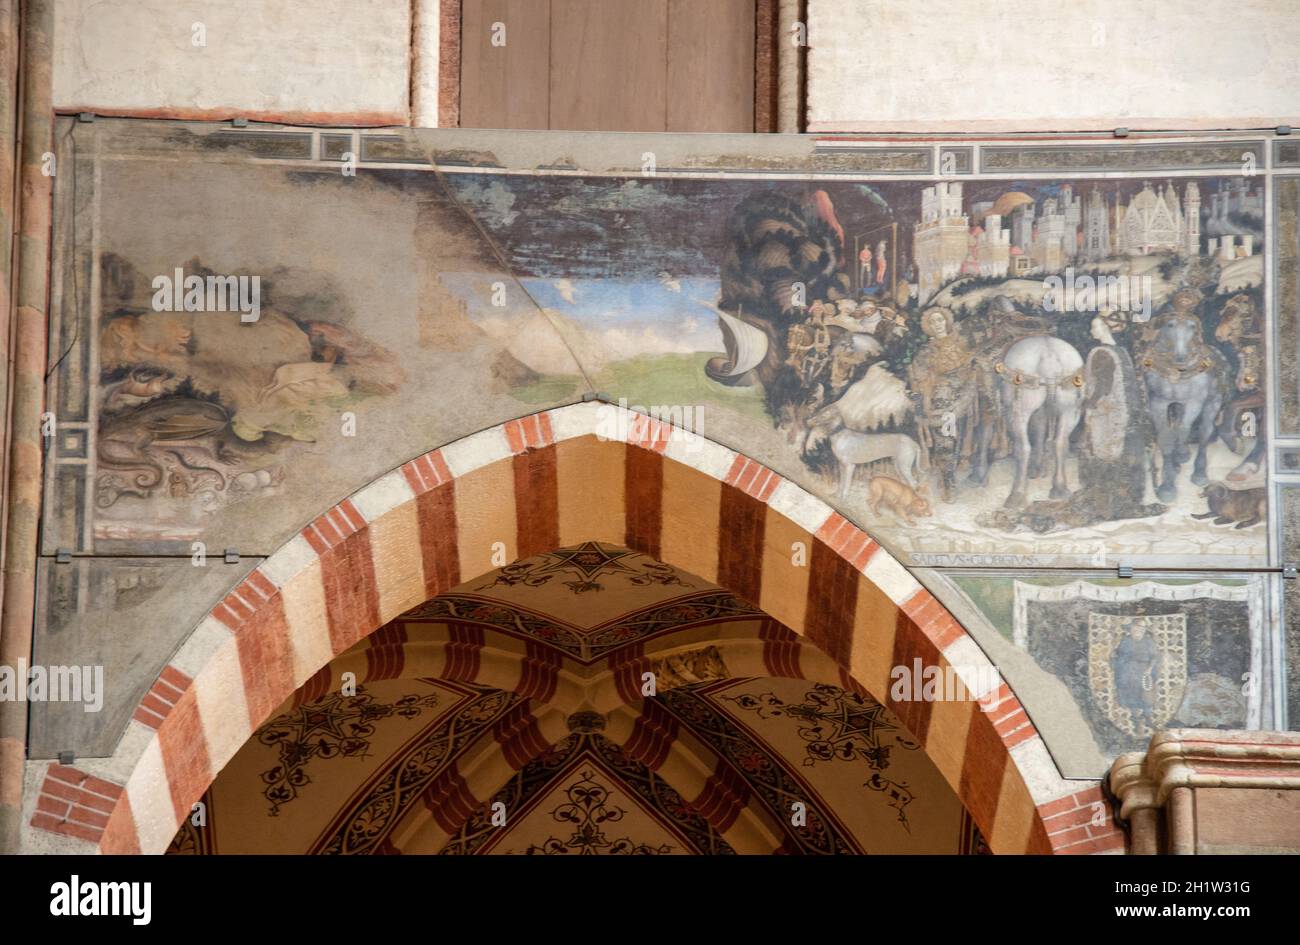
column 1289, row 572
column 231, row 556
column 1284, row 129
column 63, row 556
column 67, row 757
column 1124, row 570
column 85, row 116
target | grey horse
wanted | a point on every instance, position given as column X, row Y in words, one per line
column 1040, row 385
column 1184, row 383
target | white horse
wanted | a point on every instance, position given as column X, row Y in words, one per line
column 1040, row 387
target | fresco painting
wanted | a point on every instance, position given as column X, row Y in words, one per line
column 981, row 372
column 185, row 423
column 1139, row 655
column 182, row 423
column 1288, row 510
column 1021, row 372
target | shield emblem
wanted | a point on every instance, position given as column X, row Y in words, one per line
column 1137, row 669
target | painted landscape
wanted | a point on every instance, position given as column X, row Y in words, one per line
column 981, row 372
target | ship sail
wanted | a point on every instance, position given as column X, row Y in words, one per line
column 746, row 349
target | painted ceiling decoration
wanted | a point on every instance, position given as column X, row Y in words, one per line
column 413, row 763
column 576, row 601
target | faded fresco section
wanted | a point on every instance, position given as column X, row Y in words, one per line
column 1287, row 348
column 1288, row 304
column 235, row 427
column 1289, row 499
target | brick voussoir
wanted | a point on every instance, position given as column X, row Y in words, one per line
column 344, row 531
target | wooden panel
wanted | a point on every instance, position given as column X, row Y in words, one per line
column 765, row 63
column 505, row 86
column 609, row 64
column 449, row 48
column 711, row 65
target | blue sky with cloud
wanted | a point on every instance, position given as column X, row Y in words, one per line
column 626, row 316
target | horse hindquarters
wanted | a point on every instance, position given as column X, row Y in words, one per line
column 1068, row 410
column 1018, row 405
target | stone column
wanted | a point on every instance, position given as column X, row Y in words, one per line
column 1210, row 791
column 22, row 503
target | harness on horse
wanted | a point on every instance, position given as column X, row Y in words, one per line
column 1027, row 326
column 1163, row 364
column 1160, row 361
column 1032, row 381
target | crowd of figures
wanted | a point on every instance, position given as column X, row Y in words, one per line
column 930, row 400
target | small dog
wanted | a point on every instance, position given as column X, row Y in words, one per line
column 1246, row 507
column 899, row 498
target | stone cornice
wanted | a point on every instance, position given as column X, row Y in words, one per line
column 1204, row 758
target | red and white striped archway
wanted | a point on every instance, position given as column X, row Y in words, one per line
column 549, row 480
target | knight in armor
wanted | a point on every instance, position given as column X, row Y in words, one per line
column 942, row 376
column 799, row 339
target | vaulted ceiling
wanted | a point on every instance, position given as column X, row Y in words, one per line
column 590, row 700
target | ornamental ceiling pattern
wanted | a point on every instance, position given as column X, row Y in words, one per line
column 422, row 763
column 584, row 602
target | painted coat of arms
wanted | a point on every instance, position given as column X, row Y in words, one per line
column 1137, row 668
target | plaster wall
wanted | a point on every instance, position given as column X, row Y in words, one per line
column 964, row 65
column 953, row 65
column 338, row 61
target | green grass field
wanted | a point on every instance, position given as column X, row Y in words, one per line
column 550, row 389
column 676, row 379
column 653, row 380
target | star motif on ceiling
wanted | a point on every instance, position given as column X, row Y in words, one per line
column 589, row 558
column 585, row 563
column 334, row 726
column 847, row 720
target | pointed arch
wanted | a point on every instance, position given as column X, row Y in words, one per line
column 548, row 480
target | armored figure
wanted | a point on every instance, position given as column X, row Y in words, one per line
column 943, row 378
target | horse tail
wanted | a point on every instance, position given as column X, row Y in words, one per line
column 1053, row 404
